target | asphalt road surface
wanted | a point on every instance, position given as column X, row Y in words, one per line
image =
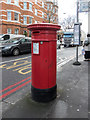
column 16, row 72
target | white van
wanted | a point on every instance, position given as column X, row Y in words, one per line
column 9, row 36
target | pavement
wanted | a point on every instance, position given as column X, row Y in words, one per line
column 71, row 101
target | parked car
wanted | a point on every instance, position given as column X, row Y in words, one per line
column 9, row 36
column 16, row 46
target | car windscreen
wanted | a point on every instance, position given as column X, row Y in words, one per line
column 68, row 35
column 14, row 40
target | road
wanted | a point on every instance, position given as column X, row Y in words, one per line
column 16, row 73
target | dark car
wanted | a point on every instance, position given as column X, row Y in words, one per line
column 16, row 46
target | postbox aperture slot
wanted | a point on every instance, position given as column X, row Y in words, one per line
column 36, row 32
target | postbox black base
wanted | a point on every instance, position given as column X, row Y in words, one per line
column 44, row 95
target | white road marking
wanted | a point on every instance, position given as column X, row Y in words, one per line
column 60, row 64
column 14, row 60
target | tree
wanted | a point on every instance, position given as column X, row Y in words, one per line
column 68, row 23
column 51, row 11
column 25, row 33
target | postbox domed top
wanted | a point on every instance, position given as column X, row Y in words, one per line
column 44, row 26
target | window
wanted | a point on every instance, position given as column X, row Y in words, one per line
column 42, row 14
column 47, row 17
column 53, row 10
column 8, row 1
column 9, row 15
column 35, row 11
column 30, row 20
column 9, row 30
column 16, row 31
column 47, row 6
column 53, row 18
column 25, row 5
column 35, row 1
column 42, row 4
column 51, row 6
column 30, row 6
column 16, row 2
column 16, row 16
column 25, row 20
column 23, row 40
column 29, row 33
column 6, row 37
column 57, row 11
column 36, row 22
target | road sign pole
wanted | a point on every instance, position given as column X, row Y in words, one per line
column 77, row 62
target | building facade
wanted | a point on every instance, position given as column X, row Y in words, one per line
column 16, row 15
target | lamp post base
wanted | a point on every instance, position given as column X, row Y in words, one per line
column 77, row 63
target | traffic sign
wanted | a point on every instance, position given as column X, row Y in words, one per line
column 77, row 34
column 84, row 5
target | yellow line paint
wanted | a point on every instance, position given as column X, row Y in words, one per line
column 22, row 67
column 3, row 66
column 21, row 71
column 15, row 64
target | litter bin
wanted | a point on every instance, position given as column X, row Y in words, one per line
column 44, row 41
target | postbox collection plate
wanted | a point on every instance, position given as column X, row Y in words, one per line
column 35, row 48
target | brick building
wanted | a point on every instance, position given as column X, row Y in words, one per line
column 15, row 15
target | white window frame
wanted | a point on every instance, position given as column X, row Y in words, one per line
column 47, row 6
column 8, row 1
column 25, row 5
column 16, row 2
column 18, row 16
column 35, row 1
column 16, row 29
column 24, row 21
column 51, row 6
column 30, row 6
column 42, row 14
column 54, row 10
column 36, row 21
column 35, row 11
column 9, row 15
column 9, row 30
column 42, row 4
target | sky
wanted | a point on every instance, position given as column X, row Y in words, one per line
column 68, row 8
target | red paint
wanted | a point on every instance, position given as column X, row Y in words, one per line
column 44, row 63
column 14, row 85
column 15, row 89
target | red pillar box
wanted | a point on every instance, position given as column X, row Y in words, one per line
column 44, row 37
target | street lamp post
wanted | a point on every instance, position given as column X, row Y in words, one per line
column 77, row 62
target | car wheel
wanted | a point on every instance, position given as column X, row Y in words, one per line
column 16, row 52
